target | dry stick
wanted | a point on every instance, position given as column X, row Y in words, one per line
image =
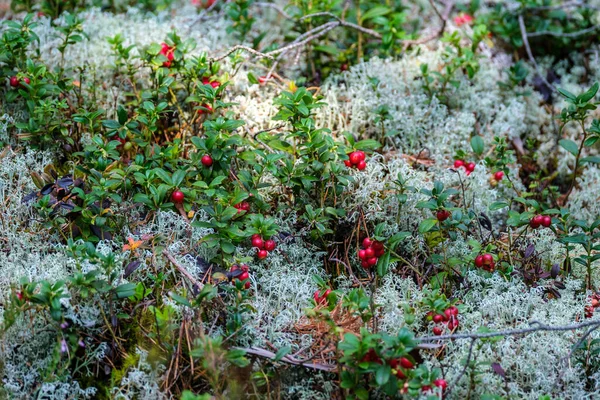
column 182, row 270
column 240, row 47
column 513, row 332
column 290, row 360
column 560, row 34
column 464, row 370
column 276, row 7
column 444, row 17
column 530, row 54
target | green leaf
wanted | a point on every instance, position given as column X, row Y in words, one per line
column 590, row 159
column 367, row 144
column 427, row 224
column 567, row 94
column 282, row 352
column 569, row 146
column 375, row 12
column 125, row 290
column 587, row 96
column 181, row 300
column 498, row 205
column 382, row 374
column 477, row 144
column 252, row 78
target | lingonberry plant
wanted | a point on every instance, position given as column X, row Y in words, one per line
column 214, row 199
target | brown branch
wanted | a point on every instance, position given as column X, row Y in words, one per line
column 530, row 54
column 287, row 359
column 182, row 270
column 440, row 31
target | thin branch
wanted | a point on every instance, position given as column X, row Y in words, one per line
column 245, row 48
column 343, row 23
column 530, row 54
column 561, row 34
column 513, row 332
column 182, row 270
column 276, row 7
column 440, row 31
column 464, row 370
column 288, row 359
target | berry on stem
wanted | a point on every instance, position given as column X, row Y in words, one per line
column 177, row 197
column 207, row 160
column 262, row 254
column 499, row 175
column 270, row 245
column 459, row 163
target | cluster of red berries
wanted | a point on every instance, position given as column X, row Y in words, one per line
column 463, row 19
column 15, row 82
column 203, row 3
column 540, row 220
column 244, row 276
column 206, row 160
column 496, row 178
column 485, row 261
column 263, row 247
column 356, row 159
column 321, row 298
column 177, row 197
column 468, row 166
column 449, row 318
column 442, row 215
column 370, row 253
column 207, row 81
column 243, row 206
column 594, row 303
column 169, row 52
column 400, row 367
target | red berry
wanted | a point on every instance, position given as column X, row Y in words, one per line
column 366, row 243
column 258, row 243
column 546, row 221
column 177, row 197
column 209, row 109
column 441, row 383
column 262, row 80
column 369, row 252
column 362, row 254
column 207, row 160
column 19, row 295
column 425, row 388
column 479, row 261
column 14, row 81
column 247, row 285
column 488, row 259
column 344, row 67
column 438, row 318
column 372, row 261
column 470, row 167
column 27, row 80
column 361, row 155
column 437, row 331
column 361, row 165
column 205, row 81
column 245, row 206
column 256, row 235
column 459, row 163
column 451, row 325
column 270, row 245
column 453, row 310
column 364, row 264
column 262, row 254
column 448, row 313
column 499, row 175
column 347, row 163
column 354, row 157
column 442, row 215
column 243, row 276
column 536, row 221
column 406, row 363
column 215, row 84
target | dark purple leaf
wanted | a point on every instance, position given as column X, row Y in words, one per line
column 130, row 268
column 67, row 206
column 485, row 221
column 544, row 275
column 47, row 189
column 65, row 181
column 102, row 235
column 498, row 369
column 529, row 251
column 554, row 271
column 30, row 197
column 559, row 285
